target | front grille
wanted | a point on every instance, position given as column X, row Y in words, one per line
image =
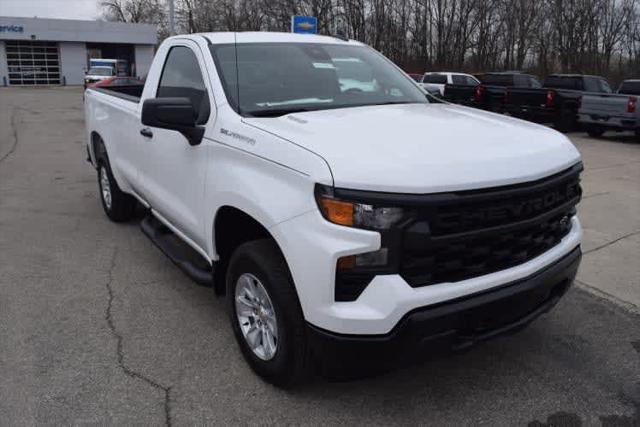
column 457, row 236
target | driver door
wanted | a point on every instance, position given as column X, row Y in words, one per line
column 174, row 172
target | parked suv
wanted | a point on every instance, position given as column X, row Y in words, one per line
column 351, row 221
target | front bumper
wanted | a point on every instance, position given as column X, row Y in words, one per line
column 452, row 325
column 312, row 246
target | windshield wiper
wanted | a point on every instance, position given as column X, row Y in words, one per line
column 274, row 112
column 395, row 103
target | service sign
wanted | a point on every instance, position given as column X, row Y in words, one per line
column 11, row 28
column 304, row 24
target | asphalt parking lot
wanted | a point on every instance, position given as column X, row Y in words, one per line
column 98, row 327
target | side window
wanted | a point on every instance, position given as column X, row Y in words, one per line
column 458, row 80
column 520, row 80
column 591, row 84
column 471, row 81
column 604, row 86
column 181, row 77
column 435, row 78
column 534, row 83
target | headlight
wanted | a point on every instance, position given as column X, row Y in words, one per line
column 356, row 214
column 354, row 272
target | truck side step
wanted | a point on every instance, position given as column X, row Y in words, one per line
column 181, row 254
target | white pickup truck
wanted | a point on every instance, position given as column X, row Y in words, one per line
column 350, row 226
column 434, row 82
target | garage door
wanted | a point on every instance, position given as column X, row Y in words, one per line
column 33, row 62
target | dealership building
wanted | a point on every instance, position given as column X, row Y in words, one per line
column 36, row 51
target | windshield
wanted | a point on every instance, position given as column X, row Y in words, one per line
column 281, row 78
column 100, row 71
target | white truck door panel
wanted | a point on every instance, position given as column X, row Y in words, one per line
column 128, row 149
column 174, row 172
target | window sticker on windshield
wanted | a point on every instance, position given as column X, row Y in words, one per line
column 325, row 65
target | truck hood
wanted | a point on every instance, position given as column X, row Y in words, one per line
column 424, row 148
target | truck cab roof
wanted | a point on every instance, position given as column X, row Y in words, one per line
column 268, row 37
column 574, row 75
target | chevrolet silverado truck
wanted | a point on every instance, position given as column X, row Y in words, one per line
column 349, row 224
column 557, row 102
column 618, row 112
column 490, row 93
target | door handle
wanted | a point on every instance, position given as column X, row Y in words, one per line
column 146, row 132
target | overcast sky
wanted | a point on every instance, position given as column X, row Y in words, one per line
column 68, row 9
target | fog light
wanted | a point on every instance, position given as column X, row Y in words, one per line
column 369, row 259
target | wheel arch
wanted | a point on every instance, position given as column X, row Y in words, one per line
column 97, row 145
column 233, row 226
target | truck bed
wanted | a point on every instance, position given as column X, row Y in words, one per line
column 605, row 104
column 128, row 92
column 617, row 111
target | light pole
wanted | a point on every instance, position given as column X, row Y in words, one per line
column 172, row 28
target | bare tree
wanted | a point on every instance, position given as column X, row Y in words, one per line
column 541, row 36
column 136, row 11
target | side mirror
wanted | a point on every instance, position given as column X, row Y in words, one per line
column 173, row 113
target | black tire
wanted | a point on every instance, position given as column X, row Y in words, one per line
column 121, row 206
column 566, row 122
column 290, row 365
column 595, row 131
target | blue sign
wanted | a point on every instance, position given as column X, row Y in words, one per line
column 304, row 24
column 11, row 29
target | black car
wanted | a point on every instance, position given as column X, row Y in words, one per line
column 557, row 102
column 489, row 94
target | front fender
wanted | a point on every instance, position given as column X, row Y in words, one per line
column 268, row 191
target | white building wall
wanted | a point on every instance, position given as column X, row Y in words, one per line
column 73, row 61
column 4, row 69
column 143, row 58
column 73, row 30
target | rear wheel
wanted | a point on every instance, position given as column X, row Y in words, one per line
column 265, row 313
column 595, row 131
column 566, row 122
column 118, row 205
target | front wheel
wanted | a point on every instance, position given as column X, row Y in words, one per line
column 265, row 313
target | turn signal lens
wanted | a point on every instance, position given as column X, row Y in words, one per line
column 377, row 258
column 337, row 211
column 479, row 93
column 346, row 262
column 550, row 97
